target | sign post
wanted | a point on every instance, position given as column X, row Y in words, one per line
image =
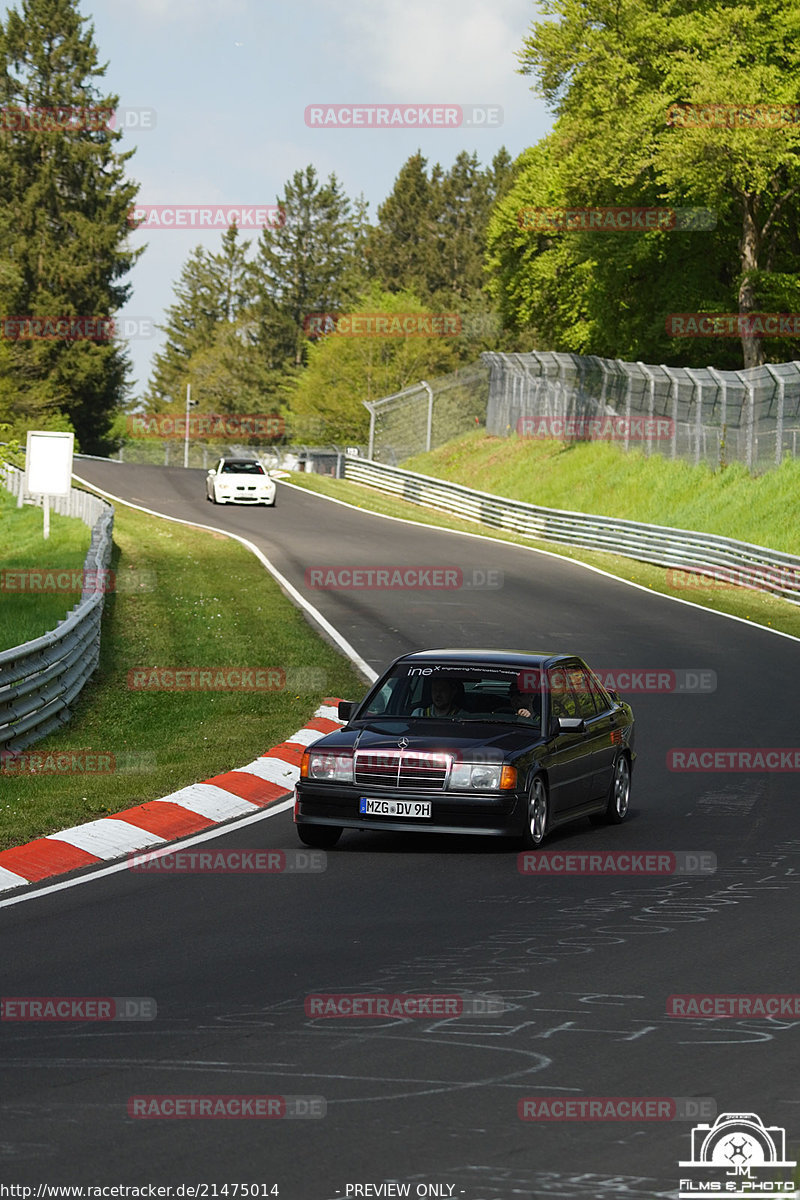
column 48, row 467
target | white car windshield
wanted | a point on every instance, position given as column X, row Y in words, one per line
column 242, row 468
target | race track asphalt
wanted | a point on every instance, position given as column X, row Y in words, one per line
column 584, row 964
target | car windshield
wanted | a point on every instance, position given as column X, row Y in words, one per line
column 457, row 693
column 242, row 468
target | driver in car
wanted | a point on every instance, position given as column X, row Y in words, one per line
column 524, row 704
column 446, row 698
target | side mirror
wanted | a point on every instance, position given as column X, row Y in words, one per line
column 213, row 471
column 345, row 709
column 571, row 725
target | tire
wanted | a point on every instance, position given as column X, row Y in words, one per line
column 319, row 837
column 619, row 795
column 537, row 817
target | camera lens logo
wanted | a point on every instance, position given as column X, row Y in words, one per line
column 737, row 1155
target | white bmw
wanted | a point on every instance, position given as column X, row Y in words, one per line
column 240, row 481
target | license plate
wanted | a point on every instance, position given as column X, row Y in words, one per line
column 394, row 808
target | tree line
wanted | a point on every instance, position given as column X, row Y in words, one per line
column 669, row 107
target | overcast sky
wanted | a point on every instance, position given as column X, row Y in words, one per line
column 229, row 81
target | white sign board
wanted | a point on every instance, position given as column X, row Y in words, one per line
column 48, row 463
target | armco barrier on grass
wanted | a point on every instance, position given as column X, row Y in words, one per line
column 41, row 679
column 648, row 543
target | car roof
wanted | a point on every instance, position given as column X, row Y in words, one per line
column 497, row 658
column 236, row 462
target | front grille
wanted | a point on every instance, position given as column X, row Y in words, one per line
column 401, row 768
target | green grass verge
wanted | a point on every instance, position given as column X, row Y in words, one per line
column 757, row 607
column 212, row 605
column 25, row 615
column 599, row 477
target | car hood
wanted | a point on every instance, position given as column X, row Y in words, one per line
column 430, row 735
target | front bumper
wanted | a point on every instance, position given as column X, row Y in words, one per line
column 246, row 498
column 502, row 815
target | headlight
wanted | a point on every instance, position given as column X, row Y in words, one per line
column 328, row 765
column 482, row 777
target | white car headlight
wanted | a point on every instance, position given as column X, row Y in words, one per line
column 482, row 777
column 328, row 765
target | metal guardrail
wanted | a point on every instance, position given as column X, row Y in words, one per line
column 40, row 679
column 722, row 558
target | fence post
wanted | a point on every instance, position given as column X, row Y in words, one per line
column 750, row 422
column 368, row 405
column 628, row 398
column 779, row 420
column 651, row 404
column 673, row 387
column 429, row 429
column 722, row 384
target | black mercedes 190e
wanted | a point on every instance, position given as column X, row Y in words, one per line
column 497, row 743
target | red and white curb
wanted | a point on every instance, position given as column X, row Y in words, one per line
column 192, row 809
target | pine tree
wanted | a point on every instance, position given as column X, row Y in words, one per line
column 309, row 264
column 403, row 248
column 212, row 293
column 64, row 204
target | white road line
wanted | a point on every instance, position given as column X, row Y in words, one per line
column 355, row 658
column 483, row 537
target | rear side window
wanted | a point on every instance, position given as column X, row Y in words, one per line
column 582, row 690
